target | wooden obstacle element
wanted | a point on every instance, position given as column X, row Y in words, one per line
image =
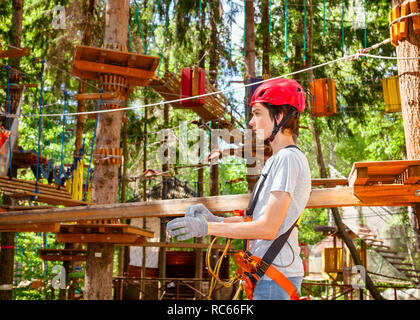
column 399, row 30
column 62, row 254
column 50, row 194
column 24, row 159
column 214, row 109
column 92, row 63
column 102, row 233
column 386, row 180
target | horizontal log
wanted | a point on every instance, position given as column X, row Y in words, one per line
column 320, row 198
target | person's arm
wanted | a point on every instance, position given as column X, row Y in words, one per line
column 265, row 228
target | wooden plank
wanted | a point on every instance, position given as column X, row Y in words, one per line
column 14, row 188
column 14, row 53
column 411, row 175
column 382, row 168
column 388, row 193
column 36, row 227
column 359, row 177
column 41, row 186
column 184, row 245
column 97, row 238
column 319, row 198
column 104, row 228
column 117, row 57
column 99, row 68
column 48, row 199
column 17, row 208
column 329, row 182
column 96, row 96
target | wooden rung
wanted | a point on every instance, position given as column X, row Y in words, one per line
column 98, row 228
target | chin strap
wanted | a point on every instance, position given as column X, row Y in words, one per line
column 277, row 127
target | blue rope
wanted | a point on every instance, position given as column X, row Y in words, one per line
column 62, row 137
column 39, row 125
column 9, row 121
column 93, row 143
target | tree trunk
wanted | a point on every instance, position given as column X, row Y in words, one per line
column 409, row 81
column 335, row 212
column 80, row 124
column 249, row 73
column 99, row 270
column 7, row 253
column 265, row 22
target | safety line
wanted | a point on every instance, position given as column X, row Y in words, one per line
column 361, row 52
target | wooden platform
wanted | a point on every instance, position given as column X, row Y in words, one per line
column 397, row 180
column 50, row 194
column 90, row 63
column 62, row 254
column 102, row 233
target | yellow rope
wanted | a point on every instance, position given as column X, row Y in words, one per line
column 215, row 273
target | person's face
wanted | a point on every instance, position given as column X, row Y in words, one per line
column 261, row 122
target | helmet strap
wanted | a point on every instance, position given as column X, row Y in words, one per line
column 278, row 126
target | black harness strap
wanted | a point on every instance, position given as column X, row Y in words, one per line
column 280, row 241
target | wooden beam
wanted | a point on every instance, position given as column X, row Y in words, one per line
column 320, row 198
column 35, row 227
column 411, row 175
column 96, row 96
column 359, row 177
column 107, row 68
column 14, row 53
column 388, row 193
column 97, row 238
column 183, row 245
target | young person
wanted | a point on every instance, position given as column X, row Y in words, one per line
column 283, row 190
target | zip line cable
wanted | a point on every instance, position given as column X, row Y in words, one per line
column 163, row 102
column 360, row 52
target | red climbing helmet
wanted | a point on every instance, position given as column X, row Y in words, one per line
column 279, row 92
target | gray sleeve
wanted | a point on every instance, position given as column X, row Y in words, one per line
column 284, row 173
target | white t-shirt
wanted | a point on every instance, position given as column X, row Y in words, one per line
column 290, row 173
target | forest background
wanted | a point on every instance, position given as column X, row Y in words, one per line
column 211, row 32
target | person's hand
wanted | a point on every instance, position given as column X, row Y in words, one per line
column 187, row 227
column 201, row 210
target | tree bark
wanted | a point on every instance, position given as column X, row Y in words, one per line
column 335, row 212
column 99, row 270
column 7, row 253
column 249, row 73
column 80, row 124
column 265, row 22
column 409, row 81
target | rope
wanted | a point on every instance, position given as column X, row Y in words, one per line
column 342, row 28
column 163, row 102
column 62, row 138
column 285, row 33
column 93, row 143
column 304, row 34
column 164, row 36
column 324, row 33
column 9, row 122
column 39, row 125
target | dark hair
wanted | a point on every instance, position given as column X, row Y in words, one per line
column 291, row 124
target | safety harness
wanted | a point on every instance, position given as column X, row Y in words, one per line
column 252, row 268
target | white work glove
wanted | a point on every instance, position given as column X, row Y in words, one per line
column 187, row 227
column 201, row 210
